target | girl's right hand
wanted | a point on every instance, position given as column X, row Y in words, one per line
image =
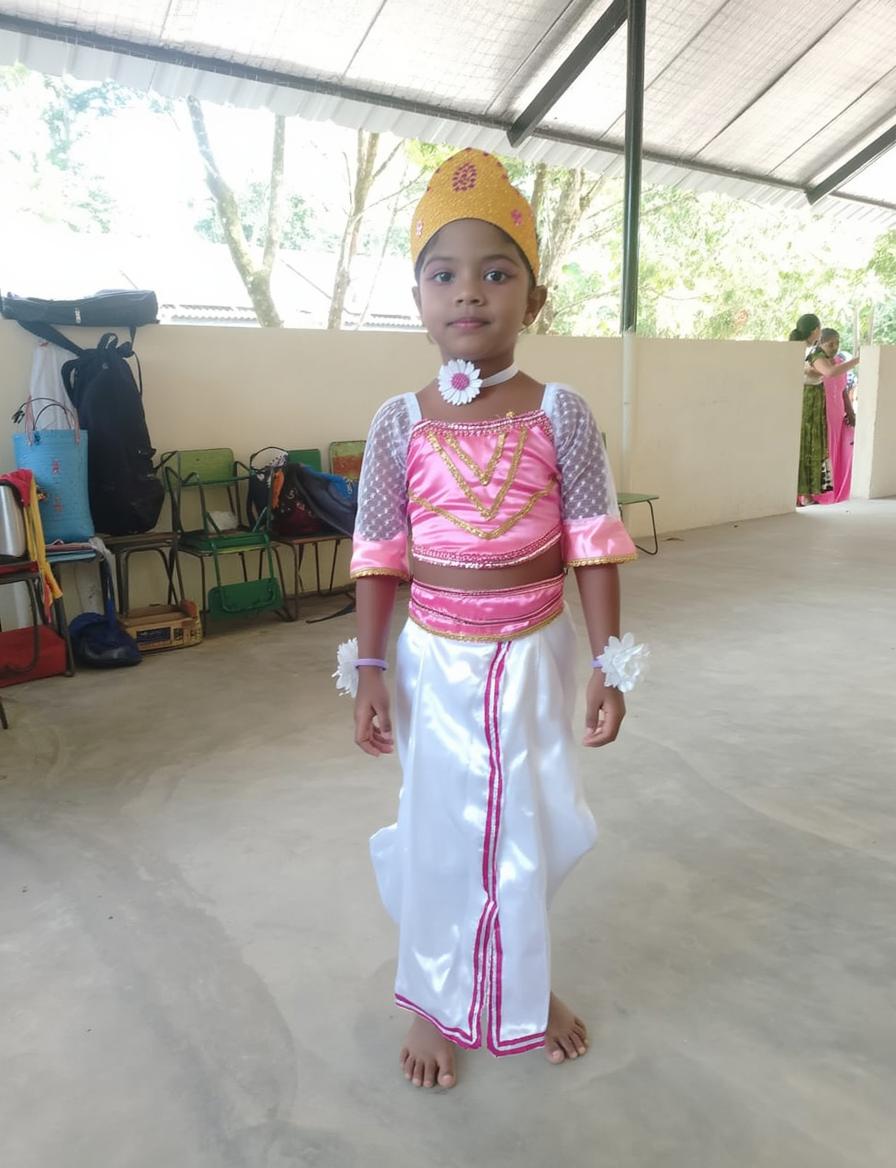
column 373, row 726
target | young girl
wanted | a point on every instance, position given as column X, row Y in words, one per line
column 827, row 361
column 493, row 483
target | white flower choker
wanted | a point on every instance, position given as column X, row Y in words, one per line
column 460, row 383
column 623, row 662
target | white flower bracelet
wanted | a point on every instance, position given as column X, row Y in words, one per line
column 623, row 662
column 347, row 664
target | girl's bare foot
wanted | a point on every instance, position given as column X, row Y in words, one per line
column 427, row 1056
column 566, row 1036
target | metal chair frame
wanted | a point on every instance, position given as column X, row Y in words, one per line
column 298, row 544
column 164, row 543
column 629, row 499
column 242, row 542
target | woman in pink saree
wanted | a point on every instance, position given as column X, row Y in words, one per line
column 841, row 417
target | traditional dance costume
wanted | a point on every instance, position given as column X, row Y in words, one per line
column 491, row 814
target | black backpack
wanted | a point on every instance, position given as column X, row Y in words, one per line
column 290, row 516
column 310, row 502
column 333, row 498
column 126, row 495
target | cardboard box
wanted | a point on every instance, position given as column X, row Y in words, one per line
column 163, row 627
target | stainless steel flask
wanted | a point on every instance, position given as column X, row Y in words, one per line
column 12, row 525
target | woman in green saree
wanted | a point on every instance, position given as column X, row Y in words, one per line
column 814, row 468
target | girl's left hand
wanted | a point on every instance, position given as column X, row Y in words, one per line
column 604, row 711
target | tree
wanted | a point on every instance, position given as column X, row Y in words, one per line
column 883, row 260
column 366, row 173
column 717, row 267
column 561, row 200
column 44, row 122
column 580, row 232
column 252, row 203
column 256, row 276
column 883, row 268
column 263, row 218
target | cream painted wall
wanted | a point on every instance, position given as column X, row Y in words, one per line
column 717, row 422
column 866, row 417
column 874, row 459
column 247, row 388
column 717, row 429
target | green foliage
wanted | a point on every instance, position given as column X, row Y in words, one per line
column 43, row 123
column 715, row 267
column 426, row 157
column 67, row 113
column 885, row 323
column 883, row 260
column 585, row 301
column 253, row 208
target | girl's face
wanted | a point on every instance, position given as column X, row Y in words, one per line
column 831, row 347
column 475, row 294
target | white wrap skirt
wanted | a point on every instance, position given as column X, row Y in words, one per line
column 491, row 818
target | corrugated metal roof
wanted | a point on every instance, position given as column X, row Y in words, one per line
column 760, row 100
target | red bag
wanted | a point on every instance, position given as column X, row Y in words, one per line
column 17, row 653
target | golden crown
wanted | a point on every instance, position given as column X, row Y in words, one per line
column 474, row 185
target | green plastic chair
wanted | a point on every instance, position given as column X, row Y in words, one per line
column 306, row 457
column 627, row 499
column 216, row 477
column 346, row 458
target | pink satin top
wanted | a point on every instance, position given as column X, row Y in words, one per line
column 486, row 494
column 483, row 494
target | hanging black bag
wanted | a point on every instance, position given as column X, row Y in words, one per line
column 121, row 308
column 126, row 495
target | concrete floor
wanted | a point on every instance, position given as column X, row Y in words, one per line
column 196, row 971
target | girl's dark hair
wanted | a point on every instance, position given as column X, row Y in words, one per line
column 829, row 335
column 805, row 327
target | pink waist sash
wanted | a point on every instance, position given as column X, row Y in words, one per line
column 497, row 615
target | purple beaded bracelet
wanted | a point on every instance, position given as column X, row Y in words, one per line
column 378, row 662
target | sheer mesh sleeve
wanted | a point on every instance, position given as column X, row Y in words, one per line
column 380, row 543
column 592, row 529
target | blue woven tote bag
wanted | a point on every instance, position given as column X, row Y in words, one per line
column 58, row 460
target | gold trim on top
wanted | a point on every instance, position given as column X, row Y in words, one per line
column 523, row 555
column 487, row 636
column 480, row 532
column 602, row 560
column 487, row 512
column 483, row 475
column 378, row 572
column 537, row 415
